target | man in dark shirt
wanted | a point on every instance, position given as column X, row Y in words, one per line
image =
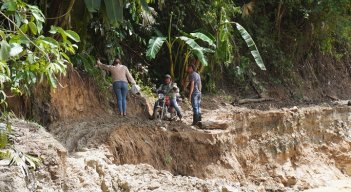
column 195, row 94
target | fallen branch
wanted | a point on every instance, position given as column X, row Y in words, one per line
column 245, row 101
column 332, row 97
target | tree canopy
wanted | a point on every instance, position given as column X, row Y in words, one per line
column 222, row 37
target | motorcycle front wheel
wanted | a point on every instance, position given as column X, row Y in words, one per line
column 158, row 113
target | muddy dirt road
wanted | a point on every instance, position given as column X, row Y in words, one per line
column 286, row 149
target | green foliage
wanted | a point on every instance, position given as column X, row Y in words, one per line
column 114, row 10
column 5, row 130
column 196, row 49
column 192, row 47
column 26, row 55
column 204, row 38
column 242, row 69
column 5, row 154
column 87, row 64
column 154, row 46
column 3, row 138
column 7, row 150
column 289, row 31
column 213, row 18
column 286, row 33
column 251, row 44
column 93, row 5
column 224, row 51
column 24, row 161
column 68, row 33
column 105, row 41
column 168, row 159
column 140, row 74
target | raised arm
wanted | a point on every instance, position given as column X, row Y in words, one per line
column 103, row 66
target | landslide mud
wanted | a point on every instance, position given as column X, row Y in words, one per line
column 277, row 149
column 288, row 148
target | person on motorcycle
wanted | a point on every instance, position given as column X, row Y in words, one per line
column 170, row 89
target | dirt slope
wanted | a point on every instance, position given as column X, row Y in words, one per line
column 288, row 149
column 91, row 169
column 284, row 149
column 278, row 149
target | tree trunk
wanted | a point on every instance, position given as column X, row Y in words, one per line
column 171, row 64
column 65, row 23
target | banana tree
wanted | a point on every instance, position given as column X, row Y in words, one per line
column 224, row 41
column 192, row 47
column 251, row 45
column 187, row 41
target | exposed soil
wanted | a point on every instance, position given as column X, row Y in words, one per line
column 279, row 145
column 90, row 169
column 296, row 148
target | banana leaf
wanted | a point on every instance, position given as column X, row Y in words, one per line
column 204, row 38
column 252, row 46
column 195, row 48
column 93, row 5
column 154, row 46
column 114, row 10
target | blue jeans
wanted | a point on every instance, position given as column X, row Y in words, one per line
column 176, row 107
column 173, row 104
column 121, row 89
column 195, row 103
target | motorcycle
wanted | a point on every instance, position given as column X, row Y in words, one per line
column 164, row 110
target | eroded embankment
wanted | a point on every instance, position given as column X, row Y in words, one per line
column 288, row 148
column 299, row 148
column 89, row 170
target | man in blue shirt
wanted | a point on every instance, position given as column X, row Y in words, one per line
column 195, row 94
